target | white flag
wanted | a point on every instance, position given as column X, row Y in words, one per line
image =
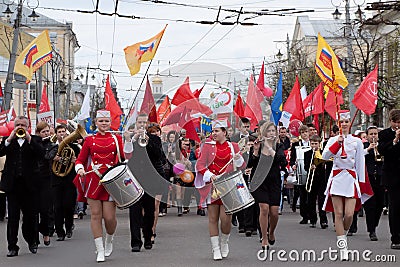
column 285, row 118
column 222, row 103
column 84, row 113
column 10, row 113
column 132, row 117
column 303, row 93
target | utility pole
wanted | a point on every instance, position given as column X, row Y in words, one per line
column 349, row 64
column 8, row 90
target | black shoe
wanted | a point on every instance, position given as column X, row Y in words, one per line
column 148, row 244
column 248, row 233
column 373, row 237
column 234, row 222
column 61, row 238
column 33, row 248
column 304, row 221
column 395, row 246
column 294, row 208
column 12, row 253
column 69, row 233
column 202, row 212
column 241, row 230
column 313, row 225
column 254, row 232
column 51, row 232
column 136, row 249
column 324, row 225
column 350, row 233
column 198, row 211
column 186, row 210
column 80, row 215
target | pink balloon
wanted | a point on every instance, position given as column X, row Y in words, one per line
column 10, row 125
column 4, row 131
column 294, row 126
column 179, row 168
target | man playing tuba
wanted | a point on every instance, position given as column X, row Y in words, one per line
column 63, row 175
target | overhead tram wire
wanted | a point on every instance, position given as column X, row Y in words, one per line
column 113, row 40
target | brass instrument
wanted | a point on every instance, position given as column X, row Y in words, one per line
column 316, row 159
column 20, row 133
column 142, row 141
column 63, row 167
column 378, row 157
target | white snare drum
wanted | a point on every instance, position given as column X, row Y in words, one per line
column 122, row 186
column 233, row 192
column 301, row 172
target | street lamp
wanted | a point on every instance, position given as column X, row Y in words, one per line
column 33, row 16
column 336, row 14
column 279, row 55
column 8, row 13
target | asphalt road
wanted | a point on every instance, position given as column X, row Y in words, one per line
column 184, row 241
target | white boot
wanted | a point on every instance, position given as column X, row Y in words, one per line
column 342, row 245
column 215, row 248
column 99, row 249
column 108, row 245
column 224, row 245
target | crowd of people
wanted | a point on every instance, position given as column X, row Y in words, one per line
column 344, row 174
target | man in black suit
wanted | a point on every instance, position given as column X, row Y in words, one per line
column 18, row 181
column 141, row 214
column 244, row 130
column 389, row 147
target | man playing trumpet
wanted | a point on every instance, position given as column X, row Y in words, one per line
column 389, row 147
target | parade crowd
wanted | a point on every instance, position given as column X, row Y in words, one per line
column 55, row 176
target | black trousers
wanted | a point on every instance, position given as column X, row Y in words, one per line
column 45, row 202
column 65, row 199
column 250, row 218
column 2, row 206
column 304, row 208
column 139, row 219
column 394, row 213
column 21, row 200
column 316, row 195
column 373, row 207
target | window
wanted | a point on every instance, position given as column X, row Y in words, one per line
column 32, row 92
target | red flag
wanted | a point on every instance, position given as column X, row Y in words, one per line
column 316, row 122
column 239, row 108
column 1, row 90
column 253, row 109
column 44, row 102
column 293, row 104
column 366, row 96
column 148, row 104
column 112, row 105
column 266, row 91
column 186, row 123
column 330, row 103
column 314, row 102
column 185, row 97
column 164, row 110
column 197, row 92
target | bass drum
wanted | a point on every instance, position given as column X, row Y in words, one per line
column 122, row 186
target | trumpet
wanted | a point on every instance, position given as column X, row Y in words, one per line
column 20, row 133
column 143, row 139
column 378, row 157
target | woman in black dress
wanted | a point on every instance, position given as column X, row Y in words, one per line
column 267, row 162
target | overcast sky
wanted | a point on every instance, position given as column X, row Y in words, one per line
column 237, row 46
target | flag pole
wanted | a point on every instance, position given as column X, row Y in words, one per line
column 137, row 93
column 354, row 117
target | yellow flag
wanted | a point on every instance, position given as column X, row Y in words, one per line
column 142, row 52
column 328, row 67
column 35, row 55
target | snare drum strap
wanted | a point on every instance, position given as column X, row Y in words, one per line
column 233, row 155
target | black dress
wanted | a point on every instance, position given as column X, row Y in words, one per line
column 266, row 180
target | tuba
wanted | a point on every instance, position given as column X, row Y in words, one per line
column 20, row 133
column 63, row 167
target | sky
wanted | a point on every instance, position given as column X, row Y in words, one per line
column 102, row 38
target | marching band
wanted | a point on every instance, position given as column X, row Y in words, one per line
column 83, row 173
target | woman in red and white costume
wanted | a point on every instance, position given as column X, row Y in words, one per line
column 98, row 154
column 343, row 188
column 214, row 155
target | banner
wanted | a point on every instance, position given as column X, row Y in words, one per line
column 35, row 55
column 222, row 103
column 47, row 117
column 205, row 125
